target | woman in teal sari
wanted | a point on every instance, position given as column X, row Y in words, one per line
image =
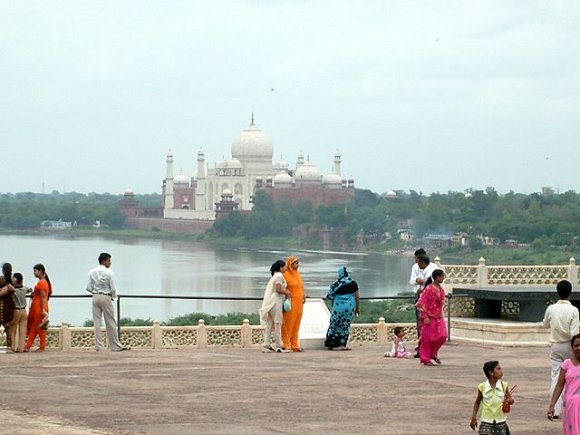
column 345, row 298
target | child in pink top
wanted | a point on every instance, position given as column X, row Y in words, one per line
column 399, row 347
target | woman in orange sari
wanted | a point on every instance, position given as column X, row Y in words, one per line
column 38, row 309
column 292, row 318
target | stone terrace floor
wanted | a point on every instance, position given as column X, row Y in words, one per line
column 243, row 391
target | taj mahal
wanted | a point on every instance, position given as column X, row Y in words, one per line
column 231, row 184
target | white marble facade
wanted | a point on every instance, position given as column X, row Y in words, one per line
column 195, row 197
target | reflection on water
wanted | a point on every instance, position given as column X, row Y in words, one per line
column 185, row 268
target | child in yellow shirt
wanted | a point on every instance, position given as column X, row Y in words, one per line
column 495, row 396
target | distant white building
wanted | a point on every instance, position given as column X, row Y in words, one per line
column 232, row 182
column 56, row 225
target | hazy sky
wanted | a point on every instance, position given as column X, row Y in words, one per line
column 430, row 96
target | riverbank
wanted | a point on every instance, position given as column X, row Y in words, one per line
column 494, row 255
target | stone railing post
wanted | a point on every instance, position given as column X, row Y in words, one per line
column 572, row 271
column 482, row 273
column 437, row 261
column 246, row 334
column 382, row 332
column 156, row 335
column 201, row 333
column 64, row 339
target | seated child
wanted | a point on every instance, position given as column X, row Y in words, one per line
column 398, row 349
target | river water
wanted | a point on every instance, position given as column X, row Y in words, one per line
column 185, row 268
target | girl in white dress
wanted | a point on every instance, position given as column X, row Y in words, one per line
column 271, row 311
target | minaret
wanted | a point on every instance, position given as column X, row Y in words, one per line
column 300, row 160
column 201, row 185
column 337, row 163
column 169, row 181
column 200, row 164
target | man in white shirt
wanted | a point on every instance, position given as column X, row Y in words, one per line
column 101, row 285
column 426, row 268
column 563, row 320
column 415, row 271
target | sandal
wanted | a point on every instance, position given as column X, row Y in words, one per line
column 428, row 364
column 437, row 360
column 298, row 349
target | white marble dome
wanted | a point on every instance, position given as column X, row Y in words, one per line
column 252, row 143
column 280, row 165
column 222, row 164
column 181, row 178
column 333, row 179
column 282, row 178
column 308, row 172
column 391, row 194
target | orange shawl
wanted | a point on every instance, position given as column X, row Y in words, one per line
column 293, row 279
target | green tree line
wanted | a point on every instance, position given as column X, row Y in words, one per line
column 535, row 218
column 27, row 210
column 538, row 219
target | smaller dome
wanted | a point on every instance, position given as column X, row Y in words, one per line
column 222, row 164
column 129, row 192
column 308, row 172
column 282, row 178
column 280, row 165
column 226, row 192
column 333, row 178
column 181, row 178
column 391, row 194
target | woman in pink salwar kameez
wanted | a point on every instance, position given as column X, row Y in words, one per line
column 431, row 321
column 570, row 379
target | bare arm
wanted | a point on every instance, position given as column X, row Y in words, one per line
column 278, row 288
column 508, row 398
column 473, row 422
column 357, row 301
column 7, row 290
column 43, row 302
column 557, row 392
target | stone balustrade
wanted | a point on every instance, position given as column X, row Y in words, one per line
column 158, row 336
column 484, row 276
column 518, row 275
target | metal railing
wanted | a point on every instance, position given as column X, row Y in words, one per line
column 449, row 298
